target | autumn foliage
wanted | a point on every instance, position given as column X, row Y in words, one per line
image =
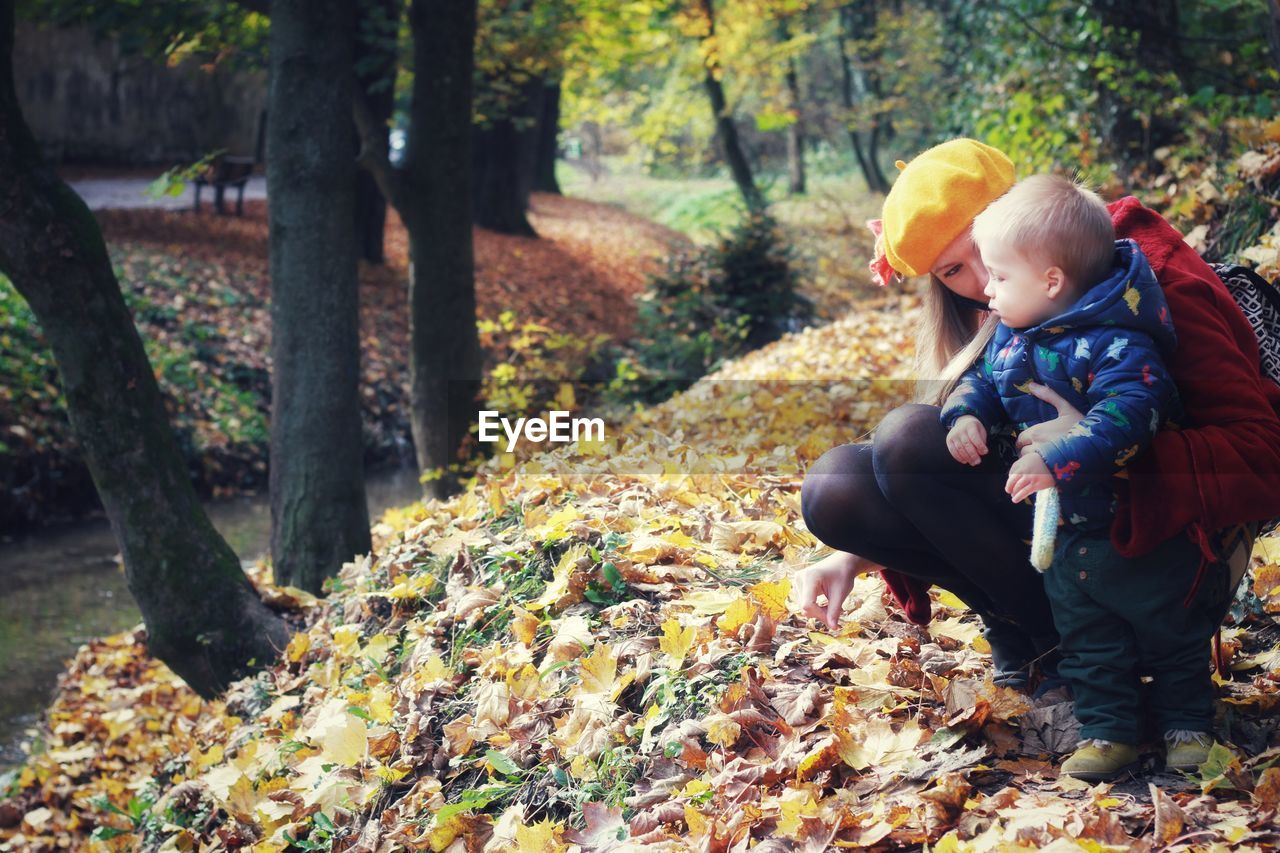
column 595, row 648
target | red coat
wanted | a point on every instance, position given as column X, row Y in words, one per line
column 1223, row 468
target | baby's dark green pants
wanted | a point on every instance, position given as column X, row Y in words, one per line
column 1122, row 618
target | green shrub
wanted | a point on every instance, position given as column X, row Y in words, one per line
column 713, row 304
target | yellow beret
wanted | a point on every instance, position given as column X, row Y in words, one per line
column 936, row 197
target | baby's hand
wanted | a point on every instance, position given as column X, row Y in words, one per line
column 1027, row 476
column 967, row 440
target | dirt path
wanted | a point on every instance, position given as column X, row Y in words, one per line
column 129, row 193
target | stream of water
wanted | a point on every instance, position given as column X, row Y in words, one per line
column 63, row 586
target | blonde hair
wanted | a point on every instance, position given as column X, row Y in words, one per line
column 1053, row 219
column 948, row 342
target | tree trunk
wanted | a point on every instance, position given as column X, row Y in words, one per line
column 795, row 131
column 544, row 173
column 203, row 617
column 319, row 518
column 502, row 168
column 726, row 130
column 445, row 365
column 853, row 90
column 1134, row 136
column 375, row 58
column 370, row 213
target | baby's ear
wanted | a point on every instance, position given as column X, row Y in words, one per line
column 1055, row 282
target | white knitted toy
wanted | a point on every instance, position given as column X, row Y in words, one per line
column 1044, row 528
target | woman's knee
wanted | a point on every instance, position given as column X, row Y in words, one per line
column 832, row 490
column 908, row 441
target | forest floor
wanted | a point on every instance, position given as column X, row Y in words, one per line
column 597, row 647
column 198, row 286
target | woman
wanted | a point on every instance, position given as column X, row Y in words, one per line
column 902, row 505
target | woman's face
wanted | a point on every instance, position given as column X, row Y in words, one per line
column 959, row 267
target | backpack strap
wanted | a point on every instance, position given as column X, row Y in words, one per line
column 1233, row 273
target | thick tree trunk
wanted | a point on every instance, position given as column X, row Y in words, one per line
column 318, row 511
column 203, row 617
column 795, row 131
column 726, row 130
column 548, row 148
column 503, row 157
column 445, row 365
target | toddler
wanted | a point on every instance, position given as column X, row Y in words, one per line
column 1083, row 314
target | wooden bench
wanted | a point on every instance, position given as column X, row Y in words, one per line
column 225, row 172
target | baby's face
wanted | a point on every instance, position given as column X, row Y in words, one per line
column 1017, row 287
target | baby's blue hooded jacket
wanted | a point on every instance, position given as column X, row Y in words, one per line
column 1105, row 354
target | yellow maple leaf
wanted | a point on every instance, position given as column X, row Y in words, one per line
column 524, row 625
column 583, row 768
column 599, row 670
column 680, row 539
column 694, row 787
column 554, row 527
column 738, row 613
column 525, row 682
column 795, row 805
column 298, row 646
column 541, row 837
column 1266, row 580
column 772, row 596
column 201, row 761
column 342, row 737
column 433, row 669
column 381, row 706
column 675, row 641
column 722, row 729
column 377, row 647
column 708, row 602
column 875, row 743
column 346, row 640
column 564, row 570
column 697, row 823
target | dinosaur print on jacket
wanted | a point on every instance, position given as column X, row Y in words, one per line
column 1105, row 354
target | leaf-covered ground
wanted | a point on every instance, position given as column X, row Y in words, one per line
column 595, row 648
column 198, row 286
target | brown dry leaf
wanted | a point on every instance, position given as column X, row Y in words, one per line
column 1170, row 820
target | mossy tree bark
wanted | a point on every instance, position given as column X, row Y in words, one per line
column 432, row 193
column 203, row 617
column 319, row 518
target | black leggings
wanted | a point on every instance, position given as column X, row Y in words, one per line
column 903, row 502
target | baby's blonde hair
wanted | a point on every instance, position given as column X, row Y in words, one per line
column 1055, row 220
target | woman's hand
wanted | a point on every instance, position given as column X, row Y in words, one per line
column 1049, row 431
column 833, row 577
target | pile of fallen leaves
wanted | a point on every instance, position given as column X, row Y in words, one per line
column 199, row 285
column 1229, row 208
column 595, row 648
